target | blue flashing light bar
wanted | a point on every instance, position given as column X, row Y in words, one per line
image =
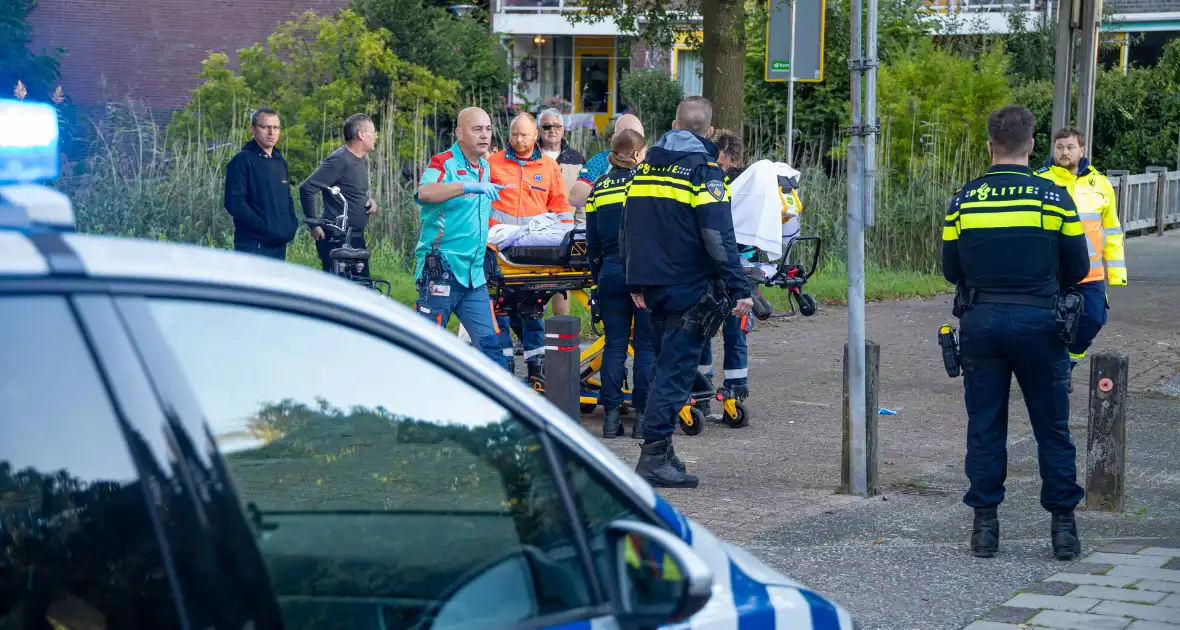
column 28, row 142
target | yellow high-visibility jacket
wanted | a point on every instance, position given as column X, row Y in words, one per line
column 1094, row 197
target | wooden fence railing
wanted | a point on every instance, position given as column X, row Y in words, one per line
column 1147, row 202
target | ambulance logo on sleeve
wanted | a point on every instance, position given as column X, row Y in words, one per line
column 716, row 188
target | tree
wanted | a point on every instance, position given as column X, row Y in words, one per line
column 315, row 71
column 424, row 33
column 722, row 44
column 36, row 72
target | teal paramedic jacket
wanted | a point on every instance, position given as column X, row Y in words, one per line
column 458, row 228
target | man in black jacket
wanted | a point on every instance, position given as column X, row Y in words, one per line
column 258, row 192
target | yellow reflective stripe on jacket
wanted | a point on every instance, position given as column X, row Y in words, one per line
column 957, row 221
column 679, row 193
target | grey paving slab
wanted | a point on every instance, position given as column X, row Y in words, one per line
column 1156, row 551
column 1049, row 588
column 1171, row 600
column 1052, row 602
column 1152, row 625
column 1145, row 573
column 1135, row 560
column 1138, row 611
column 992, row 625
column 1078, row 621
column 1010, row 614
column 1096, row 580
column 1121, row 548
column 1119, row 594
column 1156, row 585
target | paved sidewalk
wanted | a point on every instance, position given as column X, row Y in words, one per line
column 1127, row 585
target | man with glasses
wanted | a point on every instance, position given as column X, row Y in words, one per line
column 258, row 191
column 347, row 169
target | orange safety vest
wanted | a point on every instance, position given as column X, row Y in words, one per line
column 532, row 187
column 1095, row 199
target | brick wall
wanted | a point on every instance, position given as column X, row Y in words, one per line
column 152, row 49
column 641, row 57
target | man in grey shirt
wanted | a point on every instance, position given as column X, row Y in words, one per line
column 347, row 169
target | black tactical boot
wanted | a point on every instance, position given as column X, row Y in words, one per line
column 655, row 465
column 985, row 534
column 1064, row 532
column 612, row 426
column 637, row 428
column 679, row 465
column 536, row 373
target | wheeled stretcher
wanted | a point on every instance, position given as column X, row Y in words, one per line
column 525, row 278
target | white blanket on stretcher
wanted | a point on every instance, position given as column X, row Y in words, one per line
column 758, row 207
column 543, row 229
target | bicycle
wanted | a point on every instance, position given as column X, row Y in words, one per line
column 349, row 262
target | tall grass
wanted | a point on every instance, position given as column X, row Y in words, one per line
column 136, row 183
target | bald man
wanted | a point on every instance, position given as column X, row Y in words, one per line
column 533, row 186
column 677, row 247
column 455, row 195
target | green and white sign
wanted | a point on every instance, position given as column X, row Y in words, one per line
column 809, row 33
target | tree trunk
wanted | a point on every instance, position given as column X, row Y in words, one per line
column 723, row 57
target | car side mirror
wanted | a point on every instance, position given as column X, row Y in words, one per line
column 658, row 579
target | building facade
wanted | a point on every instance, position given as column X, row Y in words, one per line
column 151, row 50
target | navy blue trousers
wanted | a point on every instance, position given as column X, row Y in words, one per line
column 677, row 354
column 1093, row 318
column 620, row 320
column 997, row 341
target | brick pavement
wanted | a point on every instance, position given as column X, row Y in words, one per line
column 1122, row 586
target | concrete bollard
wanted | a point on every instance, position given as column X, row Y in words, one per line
column 562, row 360
column 1106, row 434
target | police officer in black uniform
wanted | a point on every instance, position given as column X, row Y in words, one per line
column 1013, row 245
column 680, row 260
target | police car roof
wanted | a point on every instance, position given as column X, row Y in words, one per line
column 122, row 258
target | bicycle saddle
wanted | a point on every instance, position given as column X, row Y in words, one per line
column 342, row 253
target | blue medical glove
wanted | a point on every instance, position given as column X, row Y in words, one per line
column 483, row 188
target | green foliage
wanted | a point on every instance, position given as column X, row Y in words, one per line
column 1136, row 115
column 38, row 72
column 660, row 19
column 929, row 91
column 454, row 48
column 822, row 109
column 653, row 95
column 315, row 71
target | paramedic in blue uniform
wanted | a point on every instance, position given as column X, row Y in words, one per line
column 455, row 195
column 621, row 318
column 678, row 245
column 1012, row 242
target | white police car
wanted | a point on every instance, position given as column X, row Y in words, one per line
column 194, row 438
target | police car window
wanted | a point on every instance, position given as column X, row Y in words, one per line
column 384, row 491
column 77, row 549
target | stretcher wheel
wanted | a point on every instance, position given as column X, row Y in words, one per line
column 695, row 424
column 588, row 408
column 538, row 386
column 742, row 419
column 806, row 305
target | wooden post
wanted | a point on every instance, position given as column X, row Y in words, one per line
column 1161, row 190
column 1121, row 190
column 1106, row 439
column 562, row 354
column 872, row 378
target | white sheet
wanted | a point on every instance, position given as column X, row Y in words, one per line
column 543, row 229
column 759, row 207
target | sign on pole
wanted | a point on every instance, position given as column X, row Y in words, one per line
column 809, row 50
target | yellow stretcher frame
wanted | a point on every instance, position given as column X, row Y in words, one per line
column 691, row 417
